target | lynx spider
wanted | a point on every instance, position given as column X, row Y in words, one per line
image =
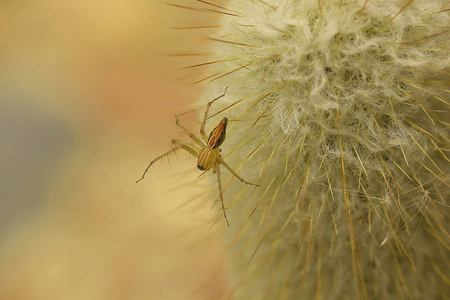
column 208, row 153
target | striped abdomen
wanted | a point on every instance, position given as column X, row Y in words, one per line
column 218, row 134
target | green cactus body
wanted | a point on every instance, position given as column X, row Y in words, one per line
column 339, row 110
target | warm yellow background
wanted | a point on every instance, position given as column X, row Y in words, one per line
column 86, row 100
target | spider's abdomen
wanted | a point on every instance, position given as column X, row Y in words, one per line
column 218, row 134
column 207, row 159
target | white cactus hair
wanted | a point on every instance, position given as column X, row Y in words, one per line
column 339, row 110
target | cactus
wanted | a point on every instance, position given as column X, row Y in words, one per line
column 340, row 111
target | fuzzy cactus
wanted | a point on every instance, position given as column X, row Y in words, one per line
column 339, row 110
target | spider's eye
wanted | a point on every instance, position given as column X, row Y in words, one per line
column 218, row 134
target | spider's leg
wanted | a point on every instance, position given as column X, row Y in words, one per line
column 220, row 192
column 202, row 128
column 234, row 173
column 191, row 135
column 192, row 149
column 178, row 145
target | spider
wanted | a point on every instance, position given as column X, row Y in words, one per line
column 207, row 152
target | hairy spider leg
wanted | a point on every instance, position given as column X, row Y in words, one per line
column 234, row 173
column 202, row 128
column 193, row 150
column 191, row 135
column 220, row 191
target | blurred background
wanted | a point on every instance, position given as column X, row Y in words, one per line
column 88, row 93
